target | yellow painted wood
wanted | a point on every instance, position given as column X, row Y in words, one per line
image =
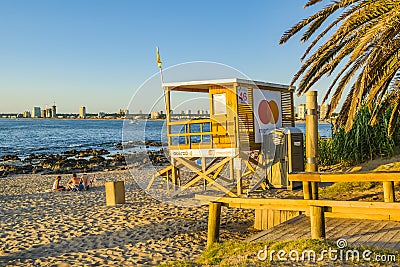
column 366, row 211
column 346, row 177
column 183, row 122
column 174, row 175
column 168, row 111
column 235, row 129
column 159, row 173
column 204, row 175
column 290, row 203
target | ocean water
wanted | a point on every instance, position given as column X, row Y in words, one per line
column 23, row 137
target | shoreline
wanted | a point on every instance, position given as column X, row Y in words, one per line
column 80, row 161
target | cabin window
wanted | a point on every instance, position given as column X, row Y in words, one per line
column 219, row 104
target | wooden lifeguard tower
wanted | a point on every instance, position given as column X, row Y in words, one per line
column 229, row 141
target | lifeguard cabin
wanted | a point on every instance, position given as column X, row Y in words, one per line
column 220, row 151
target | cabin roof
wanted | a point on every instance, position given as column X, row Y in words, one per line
column 203, row 85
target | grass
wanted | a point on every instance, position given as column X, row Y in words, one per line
column 245, row 253
column 348, row 187
column 394, row 166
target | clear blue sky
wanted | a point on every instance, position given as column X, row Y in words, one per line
column 97, row 53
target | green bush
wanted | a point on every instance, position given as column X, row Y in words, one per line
column 363, row 142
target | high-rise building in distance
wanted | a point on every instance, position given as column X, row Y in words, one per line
column 301, row 112
column 54, row 111
column 27, row 114
column 82, row 112
column 49, row 113
column 36, row 112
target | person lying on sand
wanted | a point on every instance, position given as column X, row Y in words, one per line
column 57, row 186
column 74, row 182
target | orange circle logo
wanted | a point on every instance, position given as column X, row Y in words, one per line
column 268, row 112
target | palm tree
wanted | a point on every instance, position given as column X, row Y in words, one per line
column 366, row 43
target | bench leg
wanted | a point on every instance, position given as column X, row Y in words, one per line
column 388, row 191
column 317, row 219
column 214, row 215
column 307, row 190
column 314, row 190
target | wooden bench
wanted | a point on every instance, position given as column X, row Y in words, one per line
column 316, row 209
column 387, row 178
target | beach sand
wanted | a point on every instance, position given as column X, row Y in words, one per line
column 41, row 228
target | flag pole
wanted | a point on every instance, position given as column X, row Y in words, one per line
column 167, row 102
column 162, row 78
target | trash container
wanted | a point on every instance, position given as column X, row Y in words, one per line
column 115, row 193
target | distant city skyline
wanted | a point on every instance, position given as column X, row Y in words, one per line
column 74, row 51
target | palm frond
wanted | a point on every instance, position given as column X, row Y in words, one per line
column 366, row 40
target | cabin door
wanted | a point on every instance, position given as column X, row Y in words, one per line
column 223, row 115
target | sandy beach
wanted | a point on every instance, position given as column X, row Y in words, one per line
column 40, row 228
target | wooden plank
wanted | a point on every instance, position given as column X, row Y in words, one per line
column 345, row 177
column 367, row 231
column 392, row 241
column 367, row 211
column 334, row 233
column 265, row 222
column 304, row 177
column 280, row 231
column 258, row 213
column 380, row 217
column 301, row 202
column 157, row 174
column 349, row 232
column 331, row 225
column 355, row 204
column 262, row 206
column 194, row 167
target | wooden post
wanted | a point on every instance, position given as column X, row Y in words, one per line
column 314, row 190
column 214, row 216
column 231, row 171
column 168, row 118
column 388, row 191
column 203, row 169
column 312, row 139
column 317, row 219
column 307, row 190
column 237, row 163
column 168, row 112
column 173, row 175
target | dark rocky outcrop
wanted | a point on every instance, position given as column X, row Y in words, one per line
column 10, row 157
column 87, row 160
